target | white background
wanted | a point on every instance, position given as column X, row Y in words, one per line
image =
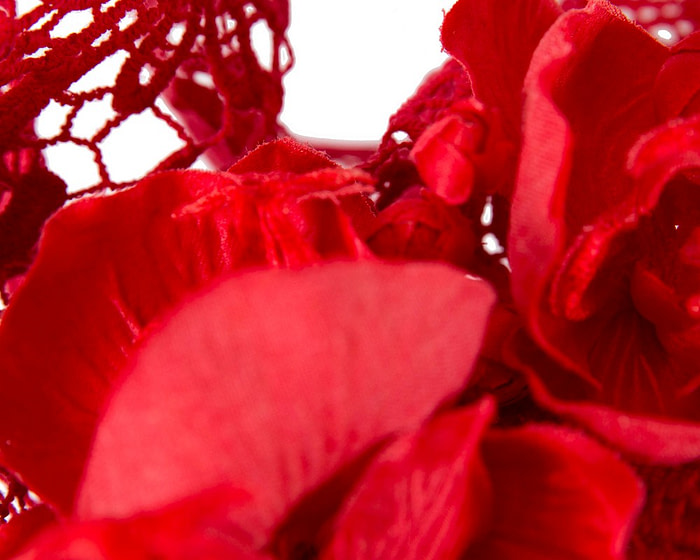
column 357, row 61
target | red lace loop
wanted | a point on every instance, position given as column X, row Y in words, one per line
column 158, row 46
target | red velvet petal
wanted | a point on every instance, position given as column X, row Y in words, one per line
column 274, row 380
column 283, row 155
column 287, row 155
column 557, row 494
column 495, row 41
column 201, row 527
column 108, row 265
column 426, row 496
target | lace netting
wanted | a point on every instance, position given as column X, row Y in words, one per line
column 186, row 68
column 119, row 88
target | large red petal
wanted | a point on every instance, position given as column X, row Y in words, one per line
column 495, row 41
column 274, row 380
column 557, row 494
column 426, row 496
column 108, row 265
column 198, row 527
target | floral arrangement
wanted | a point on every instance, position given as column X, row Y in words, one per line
column 480, row 342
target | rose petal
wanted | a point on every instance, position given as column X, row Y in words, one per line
column 452, row 490
column 273, row 381
column 197, row 527
column 107, row 266
column 572, row 191
column 284, row 155
column 495, row 41
column 441, row 155
column 426, row 496
column 557, row 494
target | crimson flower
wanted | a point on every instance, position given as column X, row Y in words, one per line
column 107, row 266
column 287, row 359
column 230, row 433
column 605, row 221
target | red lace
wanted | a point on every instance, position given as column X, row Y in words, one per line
column 197, row 55
column 189, row 66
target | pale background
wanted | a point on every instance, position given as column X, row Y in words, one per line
column 356, row 62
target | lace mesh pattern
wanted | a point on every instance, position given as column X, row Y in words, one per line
column 186, row 68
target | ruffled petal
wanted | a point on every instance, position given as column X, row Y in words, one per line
column 573, row 193
column 455, row 490
column 107, row 266
column 274, row 381
column 202, row 526
column 285, row 155
column 495, row 41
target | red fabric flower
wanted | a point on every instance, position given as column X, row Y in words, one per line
column 107, row 266
column 288, row 416
column 288, row 442
column 604, row 222
column 421, row 226
column 451, row 491
column 168, row 393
